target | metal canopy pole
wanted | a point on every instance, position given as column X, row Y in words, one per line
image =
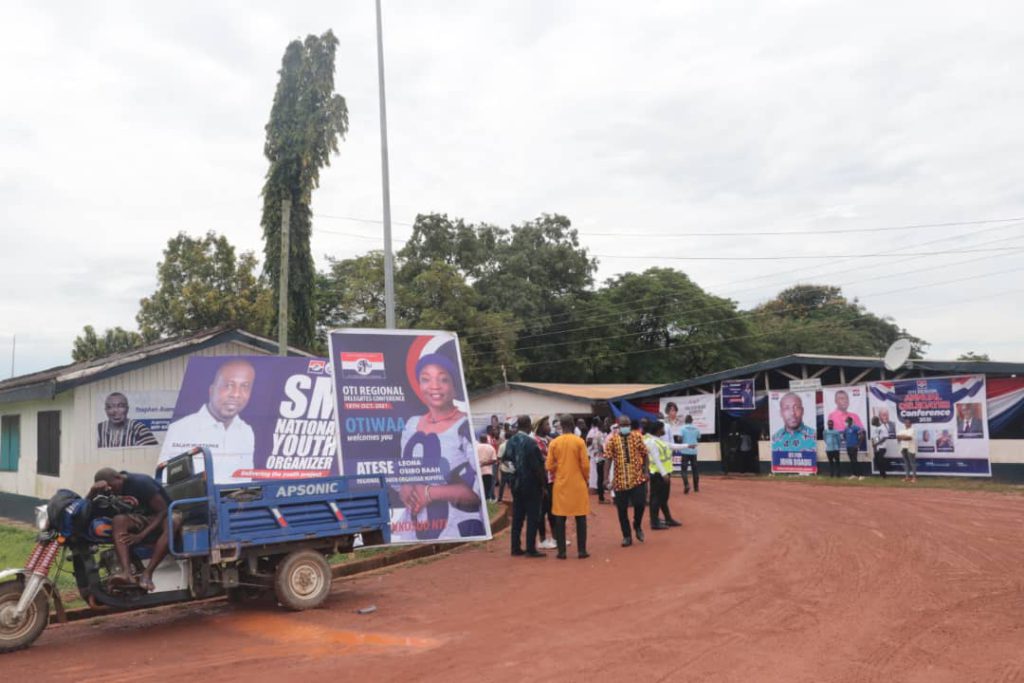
column 389, row 275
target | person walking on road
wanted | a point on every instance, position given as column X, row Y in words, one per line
column 506, row 466
column 569, row 464
column 542, row 435
column 628, row 456
column 691, row 437
column 905, row 437
column 879, row 437
column 832, row 438
column 851, row 437
column 659, row 455
column 595, row 446
column 486, row 456
column 527, row 487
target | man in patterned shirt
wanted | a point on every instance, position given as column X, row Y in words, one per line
column 626, row 450
column 794, row 437
column 117, row 431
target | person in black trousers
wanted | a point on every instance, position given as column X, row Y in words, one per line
column 879, row 439
column 527, row 488
column 852, row 437
column 628, row 454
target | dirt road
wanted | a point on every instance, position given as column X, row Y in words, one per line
column 766, row 581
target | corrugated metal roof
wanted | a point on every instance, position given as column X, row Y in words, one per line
column 590, row 392
column 816, row 360
column 63, row 377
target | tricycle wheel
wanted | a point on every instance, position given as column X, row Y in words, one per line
column 303, row 580
column 18, row 633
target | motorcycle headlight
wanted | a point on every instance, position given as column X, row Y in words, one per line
column 42, row 519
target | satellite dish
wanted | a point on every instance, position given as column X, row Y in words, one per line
column 897, row 354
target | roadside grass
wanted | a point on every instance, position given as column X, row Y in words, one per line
column 16, row 545
column 896, row 481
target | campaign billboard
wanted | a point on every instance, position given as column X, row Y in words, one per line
column 262, row 417
column 846, row 402
column 791, row 416
column 403, row 414
column 133, row 419
column 701, row 407
column 949, row 419
column 738, row 394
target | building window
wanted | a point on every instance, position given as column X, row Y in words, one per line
column 10, row 442
column 48, row 422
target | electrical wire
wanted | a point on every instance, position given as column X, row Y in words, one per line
column 677, row 347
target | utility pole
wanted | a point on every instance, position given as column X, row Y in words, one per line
column 14, row 344
column 389, row 267
column 282, row 287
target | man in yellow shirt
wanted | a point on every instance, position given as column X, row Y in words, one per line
column 569, row 464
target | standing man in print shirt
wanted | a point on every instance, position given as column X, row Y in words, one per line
column 625, row 449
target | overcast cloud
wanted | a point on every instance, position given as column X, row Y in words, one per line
column 123, row 123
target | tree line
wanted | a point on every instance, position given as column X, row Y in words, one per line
column 523, row 298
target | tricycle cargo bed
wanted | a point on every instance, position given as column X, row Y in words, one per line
column 275, row 512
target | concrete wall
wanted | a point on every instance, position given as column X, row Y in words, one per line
column 518, row 402
column 1006, row 456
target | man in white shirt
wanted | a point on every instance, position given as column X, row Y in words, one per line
column 218, row 425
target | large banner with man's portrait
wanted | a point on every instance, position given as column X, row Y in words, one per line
column 948, row 416
column 262, row 417
column 791, row 419
column 133, row 419
column 403, row 413
column 842, row 403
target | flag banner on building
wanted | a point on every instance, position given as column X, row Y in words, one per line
column 262, row 417
column 701, row 407
column 738, row 394
column 1005, row 407
column 133, row 419
column 403, row 414
column 949, row 419
column 840, row 403
column 791, row 416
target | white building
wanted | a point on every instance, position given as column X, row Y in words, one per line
column 546, row 398
column 49, row 420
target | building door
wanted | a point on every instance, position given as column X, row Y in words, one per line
column 10, row 442
column 48, row 445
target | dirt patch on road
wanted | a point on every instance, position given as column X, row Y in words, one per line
column 763, row 582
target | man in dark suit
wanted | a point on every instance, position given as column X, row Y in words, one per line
column 967, row 422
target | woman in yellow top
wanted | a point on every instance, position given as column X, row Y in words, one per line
column 569, row 463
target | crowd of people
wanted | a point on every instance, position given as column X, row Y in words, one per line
column 851, row 437
column 547, row 469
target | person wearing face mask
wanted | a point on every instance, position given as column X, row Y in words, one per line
column 629, row 457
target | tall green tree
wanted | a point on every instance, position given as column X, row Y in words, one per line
column 349, row 294
column 819, row 319
column 203, row 283
column 89, row 345
column 307, row 121
column 659, row 326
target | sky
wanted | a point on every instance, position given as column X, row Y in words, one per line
column 667, row 132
